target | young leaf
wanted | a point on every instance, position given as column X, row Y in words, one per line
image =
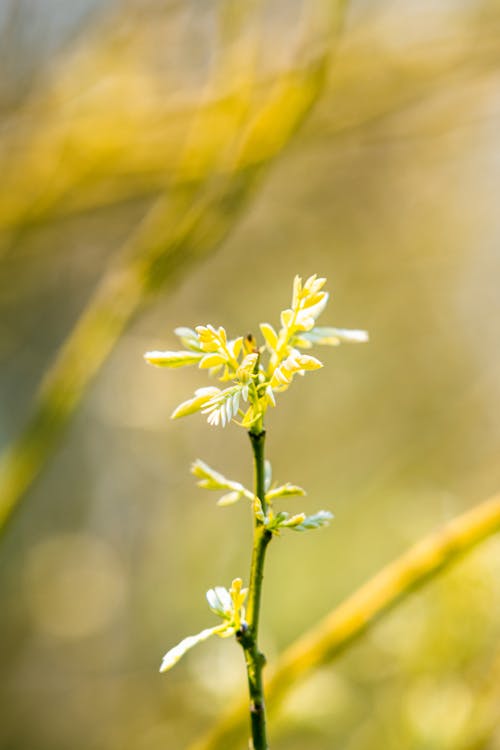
column 177, row 652
column 291, row 522
column 315, row 305
column 269, row 334
column 189, row 338
column 313, row 285
column 229, row 499
column 297, row 292
column 224, row 406
column 238, row 596
column 306, row 362
column 172, row 359
column 286, row 318
column 284, row 490
column 219, row 600
column 321, row 518
column 202, row 396
column 295, row 363
column 247, row 367
column 212, row 360
column 212, row 340
column 326, row 335
column 209, row 479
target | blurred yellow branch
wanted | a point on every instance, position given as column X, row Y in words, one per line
column 174, row 234
column 183, row 226
column 106, row 127
column 347, row 622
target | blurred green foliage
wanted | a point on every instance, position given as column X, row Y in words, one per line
column 389, row 191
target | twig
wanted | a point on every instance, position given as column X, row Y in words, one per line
column 255, row 660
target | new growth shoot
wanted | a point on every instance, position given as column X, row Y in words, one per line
column 252, row 376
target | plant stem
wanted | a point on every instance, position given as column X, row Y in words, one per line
column 254, row 659
column 345, row 624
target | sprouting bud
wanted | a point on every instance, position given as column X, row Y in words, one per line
column 253, row 373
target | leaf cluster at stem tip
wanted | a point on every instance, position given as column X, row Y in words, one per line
column 253, row 374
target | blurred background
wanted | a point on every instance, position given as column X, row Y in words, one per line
column 153, row 174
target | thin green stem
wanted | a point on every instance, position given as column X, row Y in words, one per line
column 257, row 439
column 254, row 659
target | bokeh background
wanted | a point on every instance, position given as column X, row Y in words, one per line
column 129, row 128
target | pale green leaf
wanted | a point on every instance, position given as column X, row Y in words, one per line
column 313, row 285
column 229, row 499
column 285, row 490
column 223, row 407
column 188, row 337
column 293, row 521
column 326, row 335
column 286, row 318
column 209, row 479
column 321, row 518
column 238, row 596
column 211, row 360
column 172, row 359
column 202, row 396
column 219, row 600
column 248, row 365
column 295, row 363
column 306, row 362
column 213, row 480
column 301, row 341
column 270, row 335
column 228, row 605
column 210, row 339
column 297, row 291
column 303, row 321
column 235, row 347
column 177, row 652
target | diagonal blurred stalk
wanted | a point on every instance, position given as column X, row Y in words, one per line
column 347, row 622
column 174, row 236
column 180, row 229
